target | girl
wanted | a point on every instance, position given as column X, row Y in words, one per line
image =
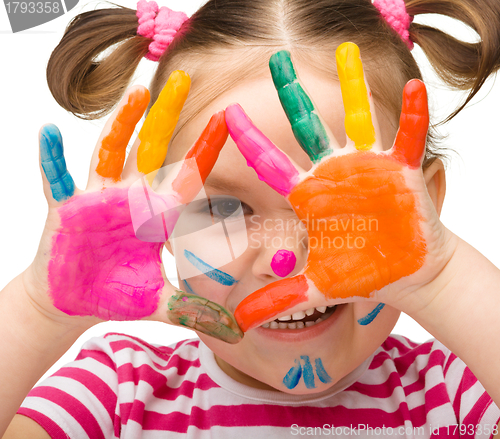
column 333, row 365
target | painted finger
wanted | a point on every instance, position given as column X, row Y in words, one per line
column 109, row 156
column 409, row 146
column 272, row 165
column 155, row 213
column 270, row 301
column 205, row 152
column 160, row 123
column 312, row 134
column 53, row 164
column 359, row 126
column 203, row 315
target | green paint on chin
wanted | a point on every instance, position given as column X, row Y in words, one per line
column 203, row 315
column 299, row 109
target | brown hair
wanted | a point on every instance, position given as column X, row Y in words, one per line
column 223, row 31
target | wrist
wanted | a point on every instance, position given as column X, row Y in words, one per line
column 33, row 325
column 468, row 280
column 464, row 314
column 31, row 343
column 418, row 292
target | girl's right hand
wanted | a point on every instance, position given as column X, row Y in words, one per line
column 91, row 265
column 373, row 231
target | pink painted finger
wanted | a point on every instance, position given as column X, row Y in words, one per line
column 272, row 165
column 409, row 146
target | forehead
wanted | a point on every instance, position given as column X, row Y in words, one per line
column 260, row 101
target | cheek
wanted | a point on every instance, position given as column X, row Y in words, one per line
column 207, row 288
column 374, row 321
column 204, row 251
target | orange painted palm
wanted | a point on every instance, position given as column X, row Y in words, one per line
column 368, row 216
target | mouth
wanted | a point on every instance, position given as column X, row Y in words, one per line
column 302, row 319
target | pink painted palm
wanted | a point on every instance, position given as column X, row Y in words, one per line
column 99, row 257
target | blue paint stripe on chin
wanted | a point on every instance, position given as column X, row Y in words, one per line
column 209, row 271
column 293, row 376
column 307, row 372
column 371, row 316
column 321, row 372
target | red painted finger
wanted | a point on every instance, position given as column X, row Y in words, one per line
column 409, row 147
column 205, row 152
column 270, row 301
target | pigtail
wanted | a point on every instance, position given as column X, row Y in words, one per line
column 93, row 64
column 461, row 65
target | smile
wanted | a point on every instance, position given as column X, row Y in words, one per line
column 302, row 319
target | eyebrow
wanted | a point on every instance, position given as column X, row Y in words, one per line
column 223, row 185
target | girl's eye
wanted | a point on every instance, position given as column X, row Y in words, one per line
column 225, row 207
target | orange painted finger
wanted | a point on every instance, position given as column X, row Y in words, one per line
column 205, row 152
column 270, row 301
column 113, row 146
column 409, row 146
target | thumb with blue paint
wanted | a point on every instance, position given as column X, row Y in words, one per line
column 57, row 182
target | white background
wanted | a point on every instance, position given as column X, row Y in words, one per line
column 470, row 210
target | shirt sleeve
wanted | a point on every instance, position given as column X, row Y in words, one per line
column 476, row 413
column 79, row 400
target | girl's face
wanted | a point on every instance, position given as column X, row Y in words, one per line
column 326, row 351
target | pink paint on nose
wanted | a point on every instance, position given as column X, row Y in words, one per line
column 283, row 262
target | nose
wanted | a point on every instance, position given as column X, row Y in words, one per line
column 283, row 262
column 282, row 250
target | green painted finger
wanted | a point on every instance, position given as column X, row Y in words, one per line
column 306, row 125
column 205, row 316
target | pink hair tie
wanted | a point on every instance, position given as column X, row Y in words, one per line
column 394, row 12
column 159, row 24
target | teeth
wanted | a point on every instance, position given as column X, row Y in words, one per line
column 284, row 318
column 280, row 324
column 298, row 315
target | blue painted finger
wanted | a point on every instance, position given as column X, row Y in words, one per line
column 54, row 165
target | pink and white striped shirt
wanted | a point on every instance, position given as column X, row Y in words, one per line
column 120, row 386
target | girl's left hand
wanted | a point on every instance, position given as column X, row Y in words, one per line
column 373, row 231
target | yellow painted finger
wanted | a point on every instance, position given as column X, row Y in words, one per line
column 160, row 123
column 358, row 119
